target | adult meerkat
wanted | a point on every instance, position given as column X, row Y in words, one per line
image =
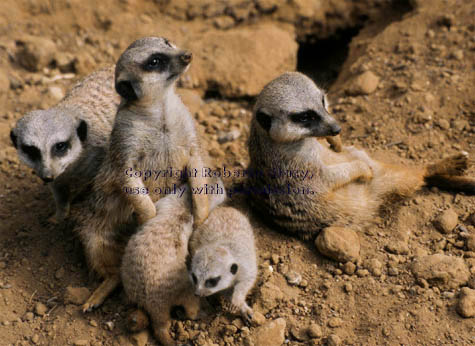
column 347, row 187
column 66, row 144
column 153, row 130
column 223, row 258
column 153, row 269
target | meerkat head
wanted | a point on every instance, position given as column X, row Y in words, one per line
column 291, row 108
column 212, row 269
column 49, row 141
column 148, row 67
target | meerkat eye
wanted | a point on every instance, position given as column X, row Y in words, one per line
column 155, row 62
column 210, row 283
column 195, row 280
column 60, row 148
column 32, row 152
column 304, row 117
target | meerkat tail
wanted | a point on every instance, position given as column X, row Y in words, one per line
column 452, row 183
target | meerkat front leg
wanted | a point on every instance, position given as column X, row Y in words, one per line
column 142, row 203
column 101, row 293
column 342, row 174
column 62, row 200
column 238, row 300
column 197, row 183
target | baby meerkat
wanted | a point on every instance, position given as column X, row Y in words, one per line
column 153, row 267
column 340, row 188
column 153, row 130
column 223, row 257
column 66, row 144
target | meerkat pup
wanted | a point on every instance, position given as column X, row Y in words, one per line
column 153, row 130
column 223, row 258
column 65, row 144
column 340, row 188
column 153, row 270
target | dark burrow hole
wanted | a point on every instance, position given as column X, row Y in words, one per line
column 322, row 60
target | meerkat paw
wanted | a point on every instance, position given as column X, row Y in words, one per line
column 101, row 293
column 366, row 172
column 247, row 314
column 452, row 165
column 137, row 320
column 335, row 143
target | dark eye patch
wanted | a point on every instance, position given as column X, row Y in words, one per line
column 210, row 283
column 304, row 118
column 156, row 62
column 60, row 148
column 264, row 120
column 32, row 152
column 195, row 280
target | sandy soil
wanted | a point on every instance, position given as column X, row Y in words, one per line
column 417, row 106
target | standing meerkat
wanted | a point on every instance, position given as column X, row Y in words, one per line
column 66, row 144
column 153, row 269
column 223, row 257
column 340, row 188
column 153, row 130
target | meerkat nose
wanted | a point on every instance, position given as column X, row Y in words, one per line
column 336, row 129
column 186, row 57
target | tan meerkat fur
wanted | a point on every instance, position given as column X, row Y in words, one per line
column 153, row 130
column 223, row 258
column 66, row 144
column 347, row 188
column 153, row 268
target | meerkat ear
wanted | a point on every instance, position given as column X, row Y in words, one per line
column 264, row 120
column 13, row 138
column 128, row 89
column 82, row 130
column 234, row 268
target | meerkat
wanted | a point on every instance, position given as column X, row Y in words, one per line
column 223, row 258
column 153, row 269
column 153, row 130
column 66, row 144
column 344, row 188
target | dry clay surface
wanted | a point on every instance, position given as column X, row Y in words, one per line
column 405, row 93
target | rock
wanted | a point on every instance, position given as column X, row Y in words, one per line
column 349, row 268
column 224, row 137
column 293, row 278
column 4, row 83
column 466, row 303
column 65, row 62
column 139, row 339
column 333, row 340
column 80, row 342
column 59, row 273
column 457, row 55
column 348, row 287
column 339, row 243
column 29, row 316
column 35, row 339
column 364, row 84
column 443, row 124
column 56, row 93
column 446, row 221
column 258, row 319
column 40, row 309
column 315, row 331
column 335, row 322
column 470, row 242
column 397, row 248
column 445, row 272
column 110, row 325
column 76, row 295
column 236, row 62
column 270, row 334
column 34, row 52
column 300, row 333
column 270, row 295
column 374, row 266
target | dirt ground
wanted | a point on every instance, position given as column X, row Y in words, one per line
column 401, row 79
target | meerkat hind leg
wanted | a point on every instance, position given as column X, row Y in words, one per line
column 452, row 165
column 101, row 293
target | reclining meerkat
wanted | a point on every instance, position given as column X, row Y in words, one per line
column 66, row 144
column 223, row 258
column 153, row 130
column 347, row 187
column 153, row 269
